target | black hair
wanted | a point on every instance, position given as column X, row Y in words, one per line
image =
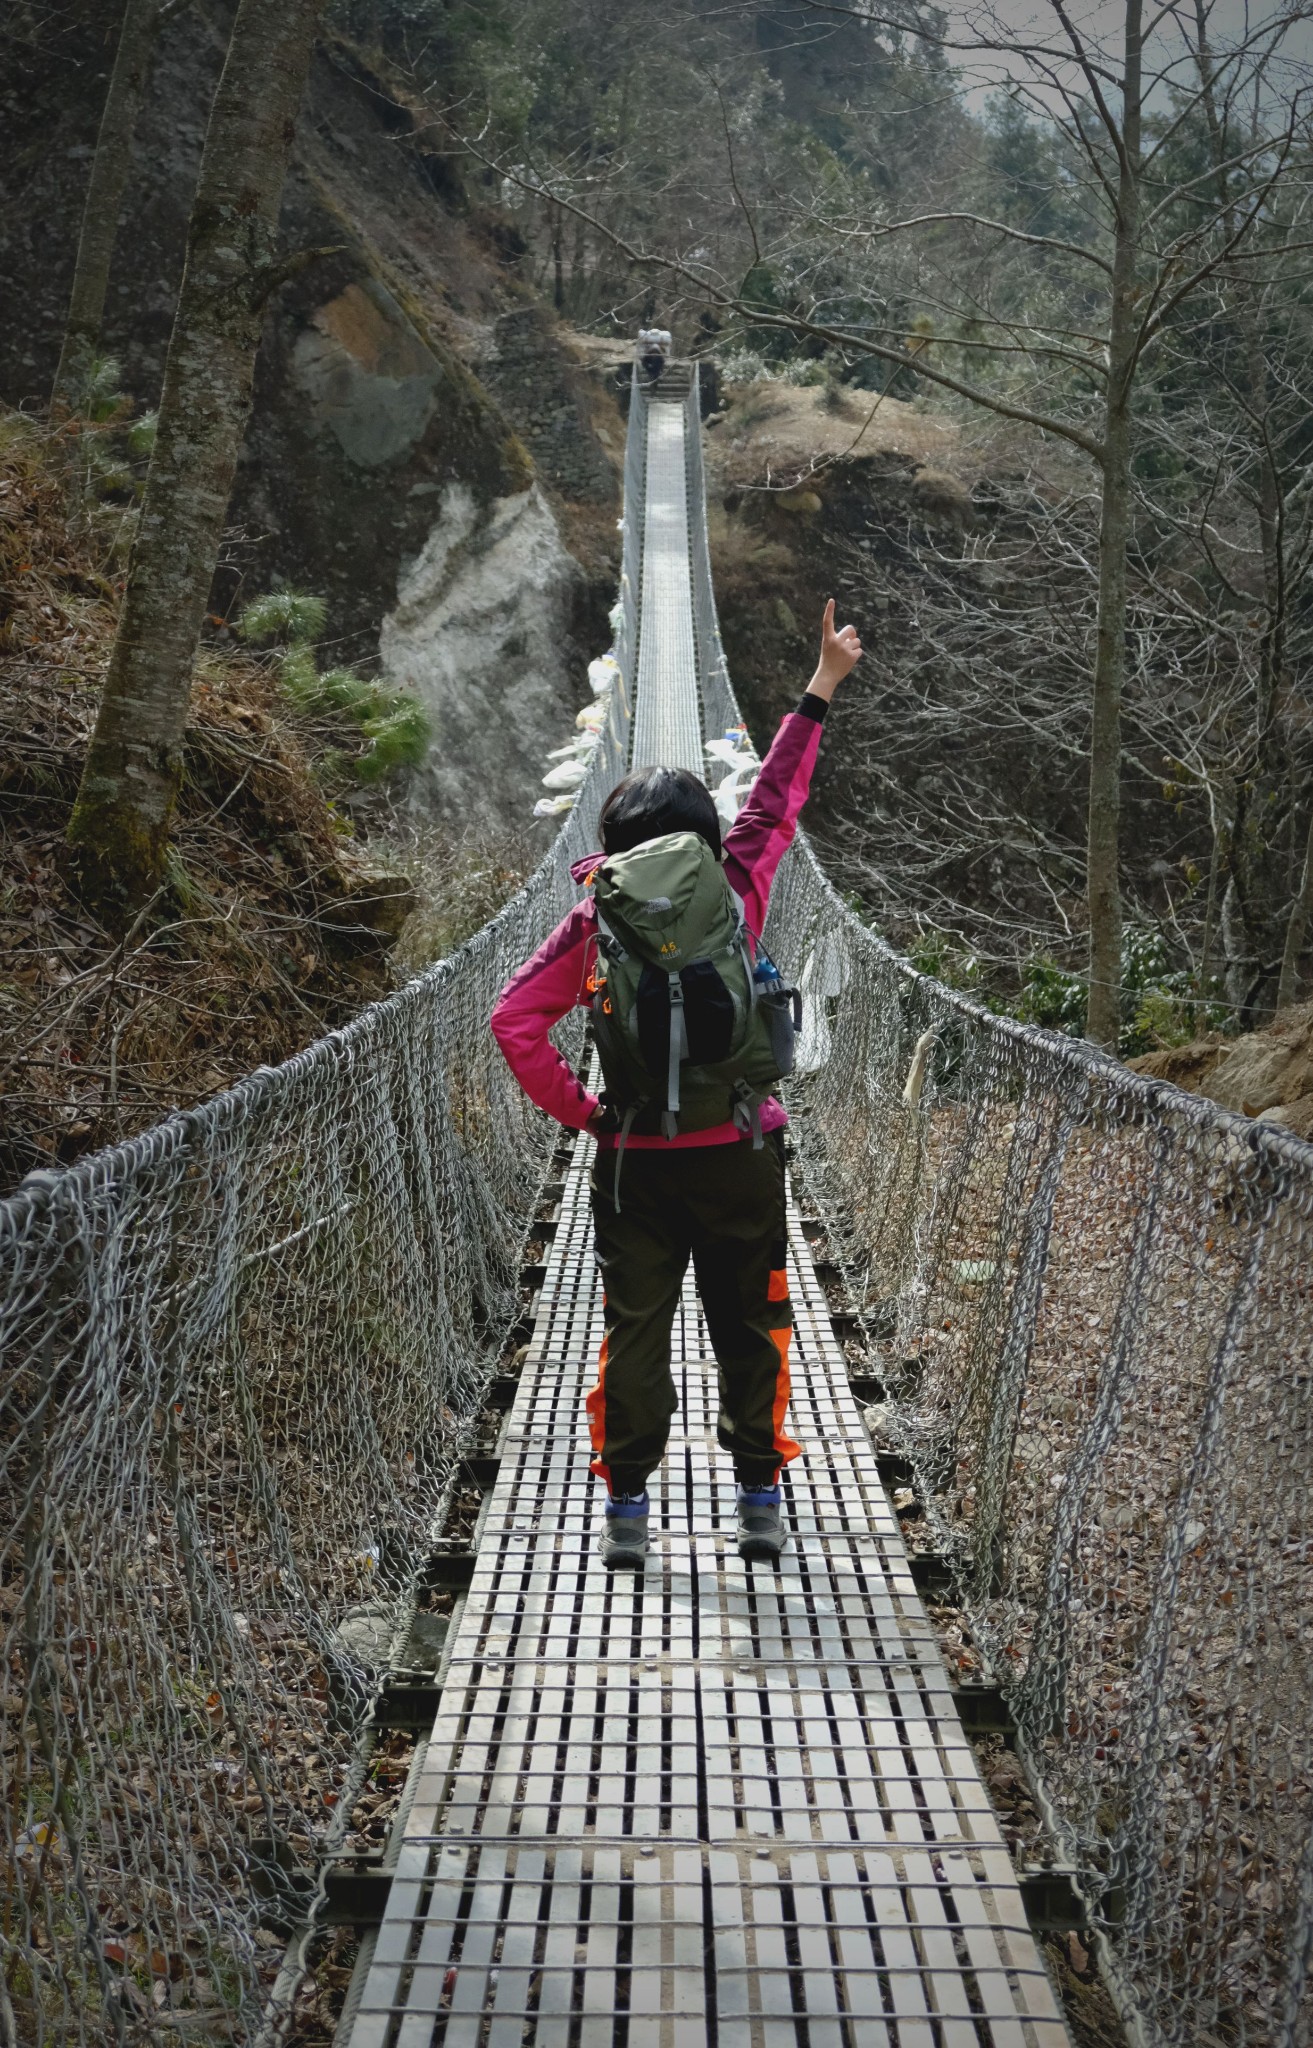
column 653, row 801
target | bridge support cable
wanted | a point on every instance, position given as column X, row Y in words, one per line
column 707, row 1803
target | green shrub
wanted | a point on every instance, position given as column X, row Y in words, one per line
column 97, row 393
column 394, row 724
column 1161, row 1019
column 1145, row 957
column 1157, row 1003
column 141, row 436
column 1053, row 997
column 940, row 954
column 344, row 690
column 1173, row 1010
column 300, row 678
column 398, row 737
column 1161, row 1005
column 289, row 615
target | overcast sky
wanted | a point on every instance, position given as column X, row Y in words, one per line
column 1100, row 23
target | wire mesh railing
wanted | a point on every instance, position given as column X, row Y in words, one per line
column 240, row 1352
column 1089, row 1298
column 241, row 1355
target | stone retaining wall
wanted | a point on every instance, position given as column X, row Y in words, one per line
column 546, row 396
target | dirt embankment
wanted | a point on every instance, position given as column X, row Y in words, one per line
column 417, row 413
column 1266, row 1073
column 786, row 436
column 277, row 920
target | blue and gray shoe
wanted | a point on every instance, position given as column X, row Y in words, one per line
column 761, row 1527
column 623, row 1544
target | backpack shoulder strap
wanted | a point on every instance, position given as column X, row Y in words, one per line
column 678, row 1051
column 608, row 945
column 740, row 939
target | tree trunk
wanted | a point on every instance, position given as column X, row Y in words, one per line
column 1301, row 911
column 100, row 215
column 1263, row 852
column 120, row 823
column 1221, row 838
column 581, row 298
column 1103, row 883
column 558, row 273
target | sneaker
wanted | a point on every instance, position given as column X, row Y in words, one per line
column 623, row 1543
column 761, row 1528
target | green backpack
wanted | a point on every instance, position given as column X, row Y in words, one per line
column 689, row 1033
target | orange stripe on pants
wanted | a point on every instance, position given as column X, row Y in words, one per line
column 595, row 1409
column 784, row 1445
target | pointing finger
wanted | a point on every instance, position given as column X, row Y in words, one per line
column 827, row 623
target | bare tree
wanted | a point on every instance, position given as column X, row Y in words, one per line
column 1226, row 529
column 1068, row 358
column 119, row 828
column 1146, row 263
column 1278, row 491
column 109, row 173
column 1297, row 926
column 963, row 812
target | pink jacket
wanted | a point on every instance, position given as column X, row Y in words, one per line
column 555, row 980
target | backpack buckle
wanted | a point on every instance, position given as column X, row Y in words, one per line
column 747, row 1113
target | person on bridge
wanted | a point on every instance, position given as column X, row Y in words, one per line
column 653, row 350
column 714, row 1190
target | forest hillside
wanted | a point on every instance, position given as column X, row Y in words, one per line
column 895, row 294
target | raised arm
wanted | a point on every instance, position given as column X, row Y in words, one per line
column 763, row 831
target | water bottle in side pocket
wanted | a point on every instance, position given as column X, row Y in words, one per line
column 782, row 1008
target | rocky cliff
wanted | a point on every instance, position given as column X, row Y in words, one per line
column 420, row 432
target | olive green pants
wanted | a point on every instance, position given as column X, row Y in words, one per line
column 723, row 1207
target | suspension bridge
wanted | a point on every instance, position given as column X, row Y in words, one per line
column 260, row 1353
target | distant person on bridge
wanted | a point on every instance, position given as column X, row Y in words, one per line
column 653, row 351
column 703, row 1175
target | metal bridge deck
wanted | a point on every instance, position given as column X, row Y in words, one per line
column 667, row 719
column 710, row 1803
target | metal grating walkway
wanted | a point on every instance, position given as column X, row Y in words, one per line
column 712, row 1803
column 667, row 721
